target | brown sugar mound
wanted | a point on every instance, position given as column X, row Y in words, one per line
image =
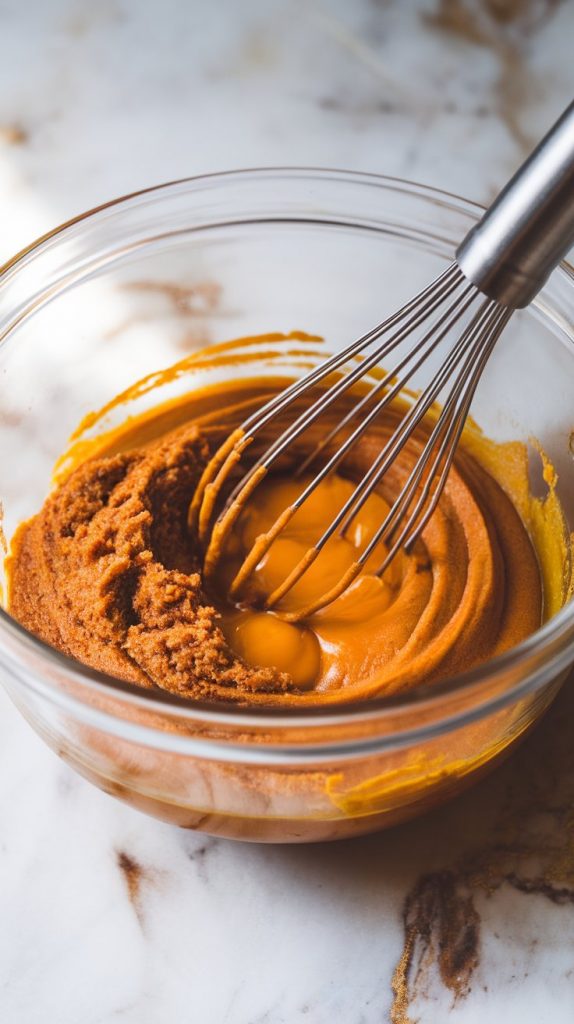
column 107, row 572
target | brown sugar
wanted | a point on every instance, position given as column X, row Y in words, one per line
column 108, row 574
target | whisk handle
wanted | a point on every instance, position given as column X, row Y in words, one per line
column 529, row 227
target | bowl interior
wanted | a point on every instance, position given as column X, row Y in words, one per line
column 141, row 285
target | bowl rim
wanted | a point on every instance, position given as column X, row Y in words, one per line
column 537, row 659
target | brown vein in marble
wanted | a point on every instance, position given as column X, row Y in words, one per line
column 506, row 27
column 200, row 854
column 13, row 134
column 134, row 876
column 193, row 301
column 442, row 927
column 362, row 52
column 530, row 847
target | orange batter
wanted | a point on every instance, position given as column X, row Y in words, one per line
column 470, row 590
column 110, row 573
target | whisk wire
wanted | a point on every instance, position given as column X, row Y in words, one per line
column 263, row 544
column 388, row 396
column 383, row 461
column 415, row 415
column 277, row 404
column 446, row 303
column 449, row 425
column 212, row 481
column 302, row 422
column 453, row 440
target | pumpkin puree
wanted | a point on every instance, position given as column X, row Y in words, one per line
column 109, row 571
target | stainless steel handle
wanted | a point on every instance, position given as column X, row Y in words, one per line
column 530, row 225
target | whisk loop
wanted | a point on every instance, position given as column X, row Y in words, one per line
column 499, row 266
column 445, row 302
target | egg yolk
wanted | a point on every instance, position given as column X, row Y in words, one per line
column 263, row 638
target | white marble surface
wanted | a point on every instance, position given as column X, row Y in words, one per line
column 101, row 98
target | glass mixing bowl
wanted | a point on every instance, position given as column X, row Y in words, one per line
column 129, row 288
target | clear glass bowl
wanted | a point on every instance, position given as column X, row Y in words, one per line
column 132, row 286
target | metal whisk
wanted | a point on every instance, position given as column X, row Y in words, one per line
column 500, row 266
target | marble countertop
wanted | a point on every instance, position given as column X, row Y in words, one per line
column 106, row 915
